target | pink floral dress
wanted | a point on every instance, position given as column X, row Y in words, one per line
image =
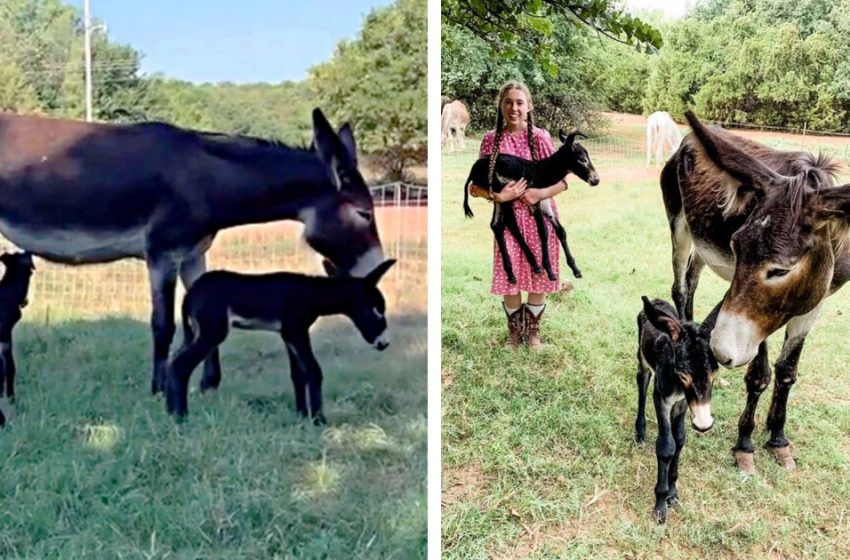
column 516, row 144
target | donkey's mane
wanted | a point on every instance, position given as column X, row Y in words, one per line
column 240, row 147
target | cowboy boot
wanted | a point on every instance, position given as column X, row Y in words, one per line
column 516, row 326
column 532, row 328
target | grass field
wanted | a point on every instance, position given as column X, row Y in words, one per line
column 93, row 468
column 539, row 459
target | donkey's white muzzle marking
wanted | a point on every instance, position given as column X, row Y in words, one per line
column 381, row 342
column 735, row 340
column 367, row 262
column 701, row 417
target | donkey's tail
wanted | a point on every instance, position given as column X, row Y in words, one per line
column 466, row 209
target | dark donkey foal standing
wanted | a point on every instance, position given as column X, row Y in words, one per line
column 79, row 193
column 570, row 157
column 13, row 297
column 281, row 302
column 679, row 354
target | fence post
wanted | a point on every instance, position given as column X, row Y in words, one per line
column 805, row 126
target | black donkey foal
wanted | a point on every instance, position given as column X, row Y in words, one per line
column 570, row 157
column 13, row 297
column 280, row 302
column 685, row 369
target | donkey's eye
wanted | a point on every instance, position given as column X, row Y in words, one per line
column 777, row 272
column 365, row 214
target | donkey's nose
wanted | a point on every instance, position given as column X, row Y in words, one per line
column 381, row 343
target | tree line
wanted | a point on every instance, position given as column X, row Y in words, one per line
column 763, row 62
column 376, row 81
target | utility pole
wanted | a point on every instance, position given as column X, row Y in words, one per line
column 88, row 28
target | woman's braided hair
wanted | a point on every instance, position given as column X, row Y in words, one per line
column 500, row 125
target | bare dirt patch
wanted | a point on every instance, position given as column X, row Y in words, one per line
column 464, row 484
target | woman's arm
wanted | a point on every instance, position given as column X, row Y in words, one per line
column 533, row 196
column 511, row 191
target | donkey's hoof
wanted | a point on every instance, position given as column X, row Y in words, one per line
column 577, row 273
column 783, row 457
column 660, row 516
column 745, row 463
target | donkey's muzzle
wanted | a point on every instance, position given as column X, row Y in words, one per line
column 593, row 180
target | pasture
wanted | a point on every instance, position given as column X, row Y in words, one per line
column 94, row 468
column 538, row 451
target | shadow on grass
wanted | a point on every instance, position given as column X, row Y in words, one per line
column 92, row 462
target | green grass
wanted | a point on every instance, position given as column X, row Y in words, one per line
column 94, row 468
column 538, row 452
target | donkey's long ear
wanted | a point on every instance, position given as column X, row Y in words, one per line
column 374, row 276
column 660, row 318
column 346, row 136
column 329, row 147
column 732, row 159
column 568, row 139
column 832, row 204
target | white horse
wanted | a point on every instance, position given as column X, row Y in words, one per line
column 454, row 120
column 663, row 134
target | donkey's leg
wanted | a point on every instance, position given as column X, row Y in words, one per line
column 785, row 376
column 757, row 380
column 695, row 266
column 299, row 384
column 191, row 270
column 682, row 244
column 497, row 224
column 163, row 279
column 210, row 332
column 665, row 448
column 543, row 232
column 679, row 437
column 299, row 345
column 644, row 375
column 7, row 371
column 8, row 365
column 509, row 219
column 561, row 233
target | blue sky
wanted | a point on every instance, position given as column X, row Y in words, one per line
column 241, row 41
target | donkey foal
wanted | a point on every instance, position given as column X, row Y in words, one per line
column 13, row 297
column 570, row 157
column 281, row 302
column 684, row 369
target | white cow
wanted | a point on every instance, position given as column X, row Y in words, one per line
column 454, row 120
column 663, row 134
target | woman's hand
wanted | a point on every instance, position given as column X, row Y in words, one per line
column 511, row 191
column 533, row 196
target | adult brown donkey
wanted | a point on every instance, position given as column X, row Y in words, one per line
column 78, row 193
column 773, row 224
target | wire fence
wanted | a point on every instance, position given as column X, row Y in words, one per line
column 630, row 150
column 62, row 292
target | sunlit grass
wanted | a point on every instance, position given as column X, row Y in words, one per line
column 538, row 452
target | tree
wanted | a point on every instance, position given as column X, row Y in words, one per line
column 513, row 26
column 378, row 83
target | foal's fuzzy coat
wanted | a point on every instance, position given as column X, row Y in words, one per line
column 678, row 353
column 281, row 302
column 570, row 157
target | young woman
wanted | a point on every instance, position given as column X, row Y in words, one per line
column 515, row 134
